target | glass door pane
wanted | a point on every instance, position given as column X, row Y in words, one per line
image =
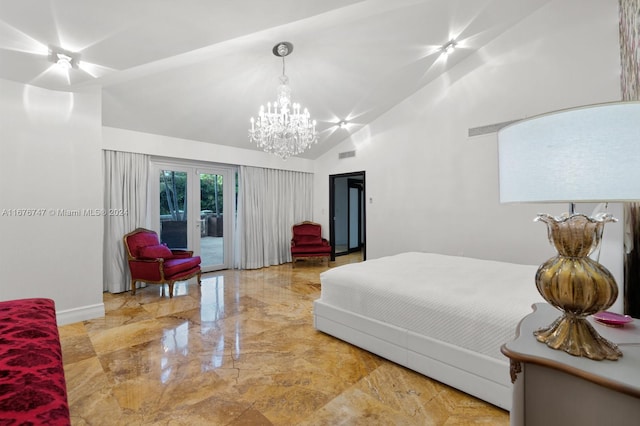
column 354, row 218
column 212, row 220
column 195, row 208
column 341, row 215
column 173, row 209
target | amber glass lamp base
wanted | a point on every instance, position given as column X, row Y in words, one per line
column 577, row 337
column 577, row 285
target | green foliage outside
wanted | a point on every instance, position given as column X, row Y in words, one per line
column 173, row 199
column 211, row 193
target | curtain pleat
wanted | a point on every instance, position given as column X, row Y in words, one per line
column 125, row 194
column 270, row 202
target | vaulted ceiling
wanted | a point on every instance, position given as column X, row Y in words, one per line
column 199, row 69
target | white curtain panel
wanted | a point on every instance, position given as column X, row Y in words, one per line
column 270, row 202
column 126, row 178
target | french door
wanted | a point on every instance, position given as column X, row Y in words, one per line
column 214, row 237
column 194, row 210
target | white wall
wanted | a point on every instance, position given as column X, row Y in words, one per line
column 50, row 161
column 435, row 189
column 164, row 146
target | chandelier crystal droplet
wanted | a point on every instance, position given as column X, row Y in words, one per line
column 283, row 128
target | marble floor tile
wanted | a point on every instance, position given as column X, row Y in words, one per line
column 241, row 350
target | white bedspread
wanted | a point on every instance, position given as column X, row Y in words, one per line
column 475, row 304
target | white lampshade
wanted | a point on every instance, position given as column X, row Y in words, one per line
column 585, row 154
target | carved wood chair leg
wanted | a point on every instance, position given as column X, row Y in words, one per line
column 199, row 278
column 171, row 289
column 133, row 286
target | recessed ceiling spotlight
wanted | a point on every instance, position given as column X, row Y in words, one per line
column 343, row 124
column 64, row 58
column 64, row 61
column 449, row 47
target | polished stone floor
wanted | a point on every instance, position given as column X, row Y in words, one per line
column 242, row 350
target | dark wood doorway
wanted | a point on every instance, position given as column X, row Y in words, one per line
column 347, row 213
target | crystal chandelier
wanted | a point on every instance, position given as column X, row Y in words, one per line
column 283, row 129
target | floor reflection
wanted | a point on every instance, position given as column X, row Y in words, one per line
column 174, row 342
column 241, row 350
column 212, row 300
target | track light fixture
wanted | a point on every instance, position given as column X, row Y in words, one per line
column 449, row 47
column 64, row 58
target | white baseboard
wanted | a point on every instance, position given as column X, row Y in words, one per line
column 82, row 313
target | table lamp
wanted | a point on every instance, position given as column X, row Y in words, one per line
column 584, row 154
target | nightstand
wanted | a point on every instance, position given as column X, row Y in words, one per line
column 552, row 387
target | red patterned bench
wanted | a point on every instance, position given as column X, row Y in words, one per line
column 32, row 385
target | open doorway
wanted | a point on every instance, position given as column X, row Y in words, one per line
column 347, row 210
column 189, row 203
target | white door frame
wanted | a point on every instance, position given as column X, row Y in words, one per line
column 227, row 213
column 193, row 170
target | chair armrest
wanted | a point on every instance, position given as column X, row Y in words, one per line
column 143, row 260
column 182, row 253
column 152, row 269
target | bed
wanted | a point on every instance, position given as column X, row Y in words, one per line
column 442, row 316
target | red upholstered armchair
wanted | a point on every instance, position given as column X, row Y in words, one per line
column 307, row 242
column 152, row 262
